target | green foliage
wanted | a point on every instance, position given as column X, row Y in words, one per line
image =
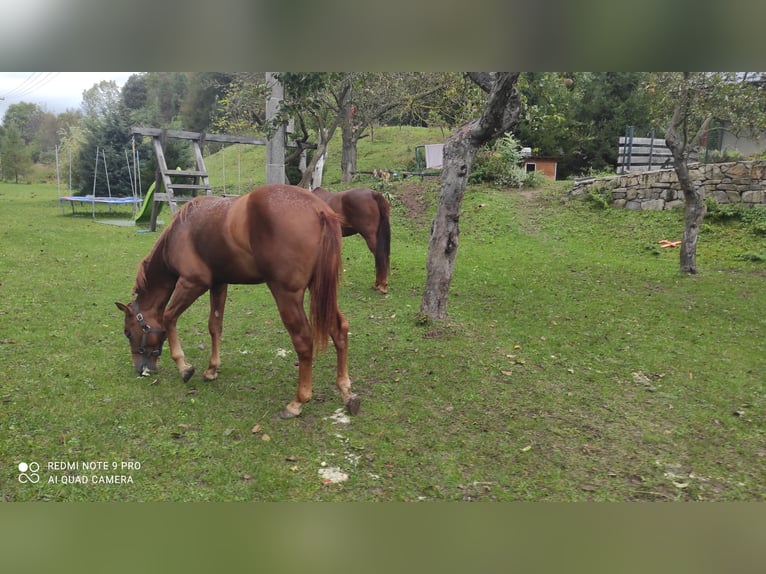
column 752, row 218
column 15, row 156
column 599, row 197
column 727, row 155
column 498, row 163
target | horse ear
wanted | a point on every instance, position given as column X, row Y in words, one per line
column 121, row 307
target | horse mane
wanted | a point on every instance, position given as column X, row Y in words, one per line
column 157, row 253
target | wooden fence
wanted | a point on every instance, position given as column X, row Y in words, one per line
column 642, row 154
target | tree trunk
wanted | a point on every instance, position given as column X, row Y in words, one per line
column 348, row 154
column 459, row 153
column 500, row 115
column 694, row 213
column 323, row 141
column 676, row 138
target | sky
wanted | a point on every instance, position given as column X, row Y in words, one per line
column 55, row 92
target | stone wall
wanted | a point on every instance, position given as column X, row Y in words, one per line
column 736, row 182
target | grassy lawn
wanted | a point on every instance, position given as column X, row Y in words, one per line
column 577, row 364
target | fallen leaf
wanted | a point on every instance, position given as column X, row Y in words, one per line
column 293, row 469
column 184, row 425
column 507, row 373
column 247, row 477
column 526, row 448
column 191, row 392
column 291, row 458
column 256, row 429
column 265, row 438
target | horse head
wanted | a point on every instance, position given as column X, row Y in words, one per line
column 145, row 334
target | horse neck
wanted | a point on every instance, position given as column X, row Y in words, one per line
column 322, row 194
column 154, row 283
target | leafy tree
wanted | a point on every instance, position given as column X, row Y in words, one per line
column 106, row 126
column 501, row 114
column 241, row 108
column 374, row 96
column 15, row 157
column 316, row 101
column 29, row 119
column 693, row 100
column 579, row 116
column 549, row 100
column 135, row 92
column 204, row 89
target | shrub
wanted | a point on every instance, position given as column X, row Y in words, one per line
column 499, row 163
column 599, row 197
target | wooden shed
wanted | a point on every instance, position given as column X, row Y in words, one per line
column 544, row 164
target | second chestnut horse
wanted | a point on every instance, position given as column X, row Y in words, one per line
column 366, row 212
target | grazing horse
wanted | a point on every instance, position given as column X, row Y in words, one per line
column 366, row 212
column 280, row 235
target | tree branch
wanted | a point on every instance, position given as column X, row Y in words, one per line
column 485, row 80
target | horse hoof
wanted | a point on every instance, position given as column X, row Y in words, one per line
column 210, row 376
column 353, row 404
column 187, row 374
column 285, row 414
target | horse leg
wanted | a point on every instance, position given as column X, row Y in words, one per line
column 184, row 295
column 290, row 306
column 381, row 281
column 339, row 336
column 215, row 326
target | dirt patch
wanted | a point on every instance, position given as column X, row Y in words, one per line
column 413, row 197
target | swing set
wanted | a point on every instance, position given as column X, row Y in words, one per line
column 182, row 184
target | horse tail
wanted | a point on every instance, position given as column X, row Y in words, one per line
column 383, row 240
column 323, row 287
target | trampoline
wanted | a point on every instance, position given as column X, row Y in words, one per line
column 93, row 200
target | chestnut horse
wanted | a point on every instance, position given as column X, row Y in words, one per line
column 280, row 235
column 366, row 212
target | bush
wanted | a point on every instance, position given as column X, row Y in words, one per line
column 499, row 163
column 534, row 179
column 727, row 155
column 598, row 197
column 753, row 218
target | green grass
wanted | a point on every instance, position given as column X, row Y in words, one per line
column 576, row 364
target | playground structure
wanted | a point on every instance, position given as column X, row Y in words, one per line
column 177, row 186
column 93, row 199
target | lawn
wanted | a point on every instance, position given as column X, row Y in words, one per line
column 576, row 364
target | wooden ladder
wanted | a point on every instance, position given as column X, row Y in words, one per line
column 178, row 191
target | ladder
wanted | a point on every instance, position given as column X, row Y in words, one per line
column 180, row 185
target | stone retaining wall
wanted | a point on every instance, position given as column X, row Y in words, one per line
column 735, row 182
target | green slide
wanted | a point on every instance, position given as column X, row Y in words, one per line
column 144, row 214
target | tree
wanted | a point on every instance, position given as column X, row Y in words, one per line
column 106, row 126
column 241, row 109
column 371, row 97
column 316, row 101
column 695, row 100
column 501, row 114
column 15, row 159
column 203, row 91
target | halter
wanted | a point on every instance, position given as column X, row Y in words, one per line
column 146, row 329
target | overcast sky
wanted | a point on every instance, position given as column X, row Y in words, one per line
column 56, row 92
